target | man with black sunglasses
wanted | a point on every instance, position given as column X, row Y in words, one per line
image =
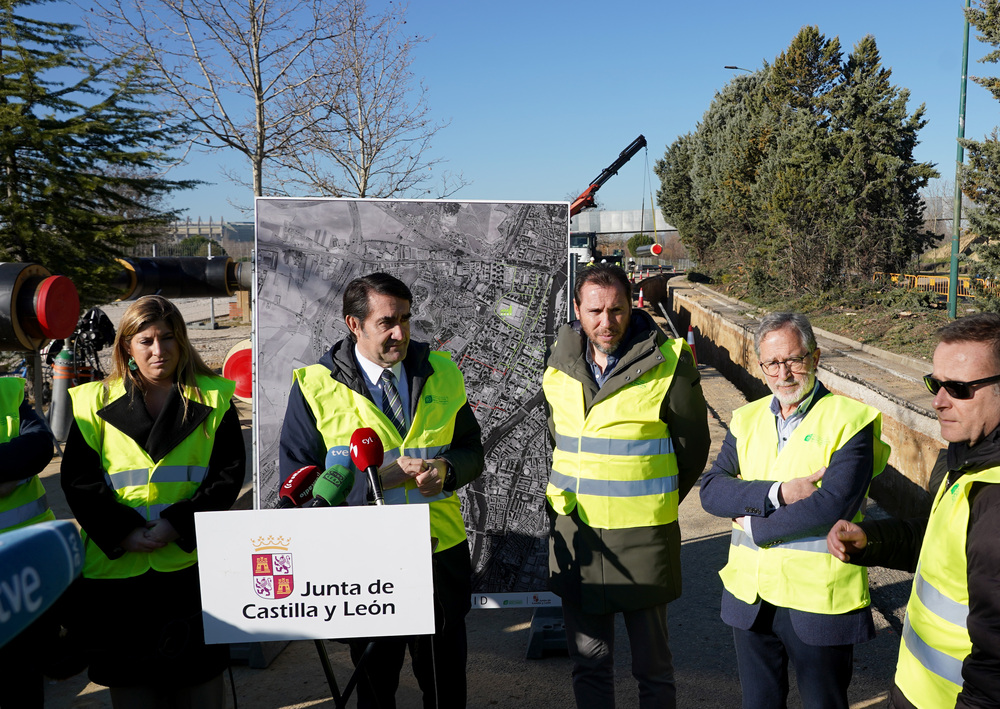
column 790, row 465
column 950, row 651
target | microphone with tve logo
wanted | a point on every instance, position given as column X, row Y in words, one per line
column 37, row 563
column 367, row 454
column 331, row 487
column 298, row 488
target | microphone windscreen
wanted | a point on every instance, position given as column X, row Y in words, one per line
column 297, row 489
column 366, row 449
column 333, row 485
column 37, row 563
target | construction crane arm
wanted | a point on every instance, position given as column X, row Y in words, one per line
column 586, row 198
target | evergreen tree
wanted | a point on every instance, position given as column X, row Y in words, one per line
column 806, row 74
column 801, row 174
column 981, row 176
column 80, row 154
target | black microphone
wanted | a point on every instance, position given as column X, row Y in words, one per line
column 298, row 488
column 332, row 487
column 367, row 454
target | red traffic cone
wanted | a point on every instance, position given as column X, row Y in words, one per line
column 640, row 298
column 690, row 340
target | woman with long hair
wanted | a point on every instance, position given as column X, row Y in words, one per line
column 155, row 442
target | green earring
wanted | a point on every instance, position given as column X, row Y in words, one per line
column 132, row 366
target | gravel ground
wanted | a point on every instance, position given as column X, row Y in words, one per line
column 211, row 344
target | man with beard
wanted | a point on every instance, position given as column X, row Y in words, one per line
column 790, row 464
column 630, row 431
column 950, row 651
column 415, row 401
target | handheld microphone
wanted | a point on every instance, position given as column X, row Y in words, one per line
column 367, row 454
column 298, row 488
column 331, row 487
column 37, row 563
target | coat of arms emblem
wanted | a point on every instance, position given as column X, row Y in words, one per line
column 272, row 567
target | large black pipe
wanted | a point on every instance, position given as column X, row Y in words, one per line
column 182, row 277
column 35, row 306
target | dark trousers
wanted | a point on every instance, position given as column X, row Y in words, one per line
column 591, row 641
column 822, row 673
column 23, row 686
column 438, row 660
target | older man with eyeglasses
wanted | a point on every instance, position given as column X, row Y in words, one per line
column 792, row 464
column 950, row 650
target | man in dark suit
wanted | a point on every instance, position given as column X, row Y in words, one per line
column 790, row 464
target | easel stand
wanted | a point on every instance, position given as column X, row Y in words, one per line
column 340, row 700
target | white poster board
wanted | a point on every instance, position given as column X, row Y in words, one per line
column 296, row 574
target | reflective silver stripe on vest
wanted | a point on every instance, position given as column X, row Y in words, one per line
column 152, row 512
column 570, row 444
column 814, row 544
column 397, row 496
column 614, row 446
column 22, row 513
column 614, row 488
column 163, row 474
column 939, row 604
column 425, row 453
column 934, row 661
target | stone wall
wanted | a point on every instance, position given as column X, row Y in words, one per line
column 723, row 330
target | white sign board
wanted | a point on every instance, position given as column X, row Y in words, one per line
column 343, row 572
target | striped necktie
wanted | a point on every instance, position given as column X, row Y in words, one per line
column 392, row 405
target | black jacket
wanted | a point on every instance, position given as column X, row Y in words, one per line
column 30, row 451
column 896, row 544
column 301, row 443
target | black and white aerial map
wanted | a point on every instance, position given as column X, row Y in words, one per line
column 489, row 286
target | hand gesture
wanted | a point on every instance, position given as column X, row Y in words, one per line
column 845, row 538
column 138, row 540
column 800, row 488
column 427, row 474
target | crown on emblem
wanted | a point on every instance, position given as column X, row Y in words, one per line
column 270, row 542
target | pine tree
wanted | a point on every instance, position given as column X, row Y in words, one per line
column 79, row 154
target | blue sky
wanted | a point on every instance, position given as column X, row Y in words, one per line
column 542, row 95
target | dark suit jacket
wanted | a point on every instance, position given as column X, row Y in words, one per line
column 845, row 485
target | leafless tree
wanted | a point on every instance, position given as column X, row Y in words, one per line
column 270, row 78
column 376, row 142
column 939, row 207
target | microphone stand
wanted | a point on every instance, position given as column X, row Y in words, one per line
column 340, row 700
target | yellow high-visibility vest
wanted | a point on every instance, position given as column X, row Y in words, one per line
column 615, row 464
column 138, row 482
column 27, row 503
column 799, row 573
column 935, row 638
column 339, row 412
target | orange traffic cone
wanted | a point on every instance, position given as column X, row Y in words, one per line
column 640, row 298
column 690, row 340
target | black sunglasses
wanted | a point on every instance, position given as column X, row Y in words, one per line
column 957, row 390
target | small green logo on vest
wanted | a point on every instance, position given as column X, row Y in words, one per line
column 815, row 438
column 431, row 399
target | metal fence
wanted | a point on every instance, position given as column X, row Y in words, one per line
column 236, row 250
column 936, row 284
